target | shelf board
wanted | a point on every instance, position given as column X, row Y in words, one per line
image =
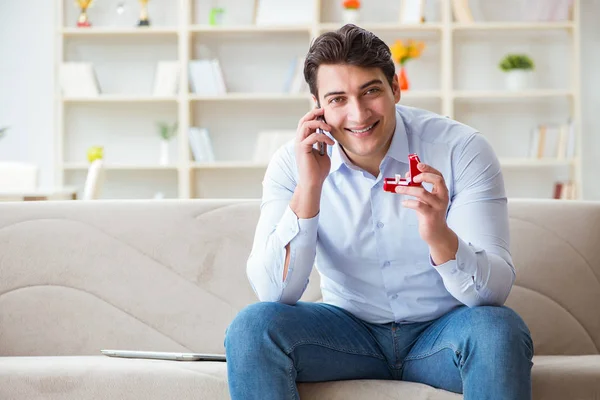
column 111, row 31
column 229, row 165
column 253, row 96
column 505, row 94
column 122, row 167
column 421, row 94
column 250, row 28
column 536, row 162
column 509, row 26
column 389, row 27
column 118, row 98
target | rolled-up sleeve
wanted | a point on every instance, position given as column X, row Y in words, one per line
column 277, row 227
column 482, row 272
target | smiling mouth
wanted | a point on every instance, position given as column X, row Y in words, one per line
column 363, row 132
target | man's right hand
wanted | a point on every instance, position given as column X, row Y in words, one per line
column 313, row 168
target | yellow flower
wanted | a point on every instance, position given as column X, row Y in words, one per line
column 399, row 51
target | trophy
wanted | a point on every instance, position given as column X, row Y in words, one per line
column 82, row 21
column 144, row 21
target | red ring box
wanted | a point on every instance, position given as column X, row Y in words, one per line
column 390, row 184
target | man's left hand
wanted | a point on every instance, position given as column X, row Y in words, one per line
column 430, row 206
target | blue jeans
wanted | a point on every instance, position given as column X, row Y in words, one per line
column 483, row 352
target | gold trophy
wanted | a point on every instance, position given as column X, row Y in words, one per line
column 144, row 20
column 82, row 21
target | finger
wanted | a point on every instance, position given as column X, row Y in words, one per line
column 311, row 115
column 310, row 140
column 418, row 206
column 428, row 168
column 310, row 127
column 429, row 177
column 421, row 194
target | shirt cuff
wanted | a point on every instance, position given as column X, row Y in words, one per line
column 303, row 230
column 465, row 262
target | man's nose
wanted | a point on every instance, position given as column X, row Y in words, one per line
column 358, row 113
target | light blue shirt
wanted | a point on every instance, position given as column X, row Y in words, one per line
column 366, row 245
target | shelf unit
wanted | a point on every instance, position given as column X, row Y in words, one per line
column 436, row 80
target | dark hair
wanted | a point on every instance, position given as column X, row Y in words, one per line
column 348, row 45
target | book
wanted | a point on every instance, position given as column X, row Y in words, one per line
column 166, row 78
column 285, row 12
column 552, row 141
column 78, row 79
column 201, row 145
column 462, row 12
column 206, row 77
column 298, row 83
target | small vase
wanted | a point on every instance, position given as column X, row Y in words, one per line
column 164, row 152
column 403, row 79
column 517, row 79
column 351, row 16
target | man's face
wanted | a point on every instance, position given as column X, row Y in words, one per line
column 360, row 107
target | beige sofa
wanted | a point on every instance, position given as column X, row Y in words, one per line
column 77, row 277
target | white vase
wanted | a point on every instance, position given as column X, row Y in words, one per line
column 517, row 79
column 351, row 16
column 164, row 152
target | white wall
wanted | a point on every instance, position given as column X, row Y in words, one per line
column 26, row 86
column 26, row 83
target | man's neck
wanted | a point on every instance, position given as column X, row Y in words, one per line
column 370, row 163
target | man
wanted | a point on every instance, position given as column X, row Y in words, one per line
column 413, row 282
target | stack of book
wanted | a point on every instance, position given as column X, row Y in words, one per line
column 553, row 141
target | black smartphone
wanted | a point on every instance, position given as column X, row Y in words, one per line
column 322, row 146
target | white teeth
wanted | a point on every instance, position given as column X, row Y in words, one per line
column 362, row 130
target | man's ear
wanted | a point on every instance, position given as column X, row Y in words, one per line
column 396, row 88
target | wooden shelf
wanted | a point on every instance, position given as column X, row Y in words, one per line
column 253, row 97
column 389, row 27
column 117, row 98
column 233, row 118
column 123, row 167
column 229, row 165
column 505, row 94
column 509, row 26
column 535, row 162
column 250, row 29
column 108, row 31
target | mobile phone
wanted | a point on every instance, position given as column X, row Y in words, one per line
column 322, row 146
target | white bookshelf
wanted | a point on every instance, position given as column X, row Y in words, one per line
column 457, row 76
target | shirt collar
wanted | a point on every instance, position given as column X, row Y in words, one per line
column 398, row 148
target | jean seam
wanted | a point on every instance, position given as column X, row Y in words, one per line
column 292, row 382
column 432, row 352
column 311, row 342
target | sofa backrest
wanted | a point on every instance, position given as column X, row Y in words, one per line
column 169, row 275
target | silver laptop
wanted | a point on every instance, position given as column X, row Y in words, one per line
column 160, row 355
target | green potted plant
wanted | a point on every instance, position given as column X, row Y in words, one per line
column 518, row 68
column 166, row 132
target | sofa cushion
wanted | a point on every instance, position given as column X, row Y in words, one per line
column 566, row 377
column 99, row 377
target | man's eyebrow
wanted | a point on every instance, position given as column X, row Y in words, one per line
column 374, row 81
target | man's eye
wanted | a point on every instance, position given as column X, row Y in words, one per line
column 373, row 90
column 336, row 100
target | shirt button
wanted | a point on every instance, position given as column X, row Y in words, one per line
column 394, row 297
column 386, row 264
column 380, row 224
